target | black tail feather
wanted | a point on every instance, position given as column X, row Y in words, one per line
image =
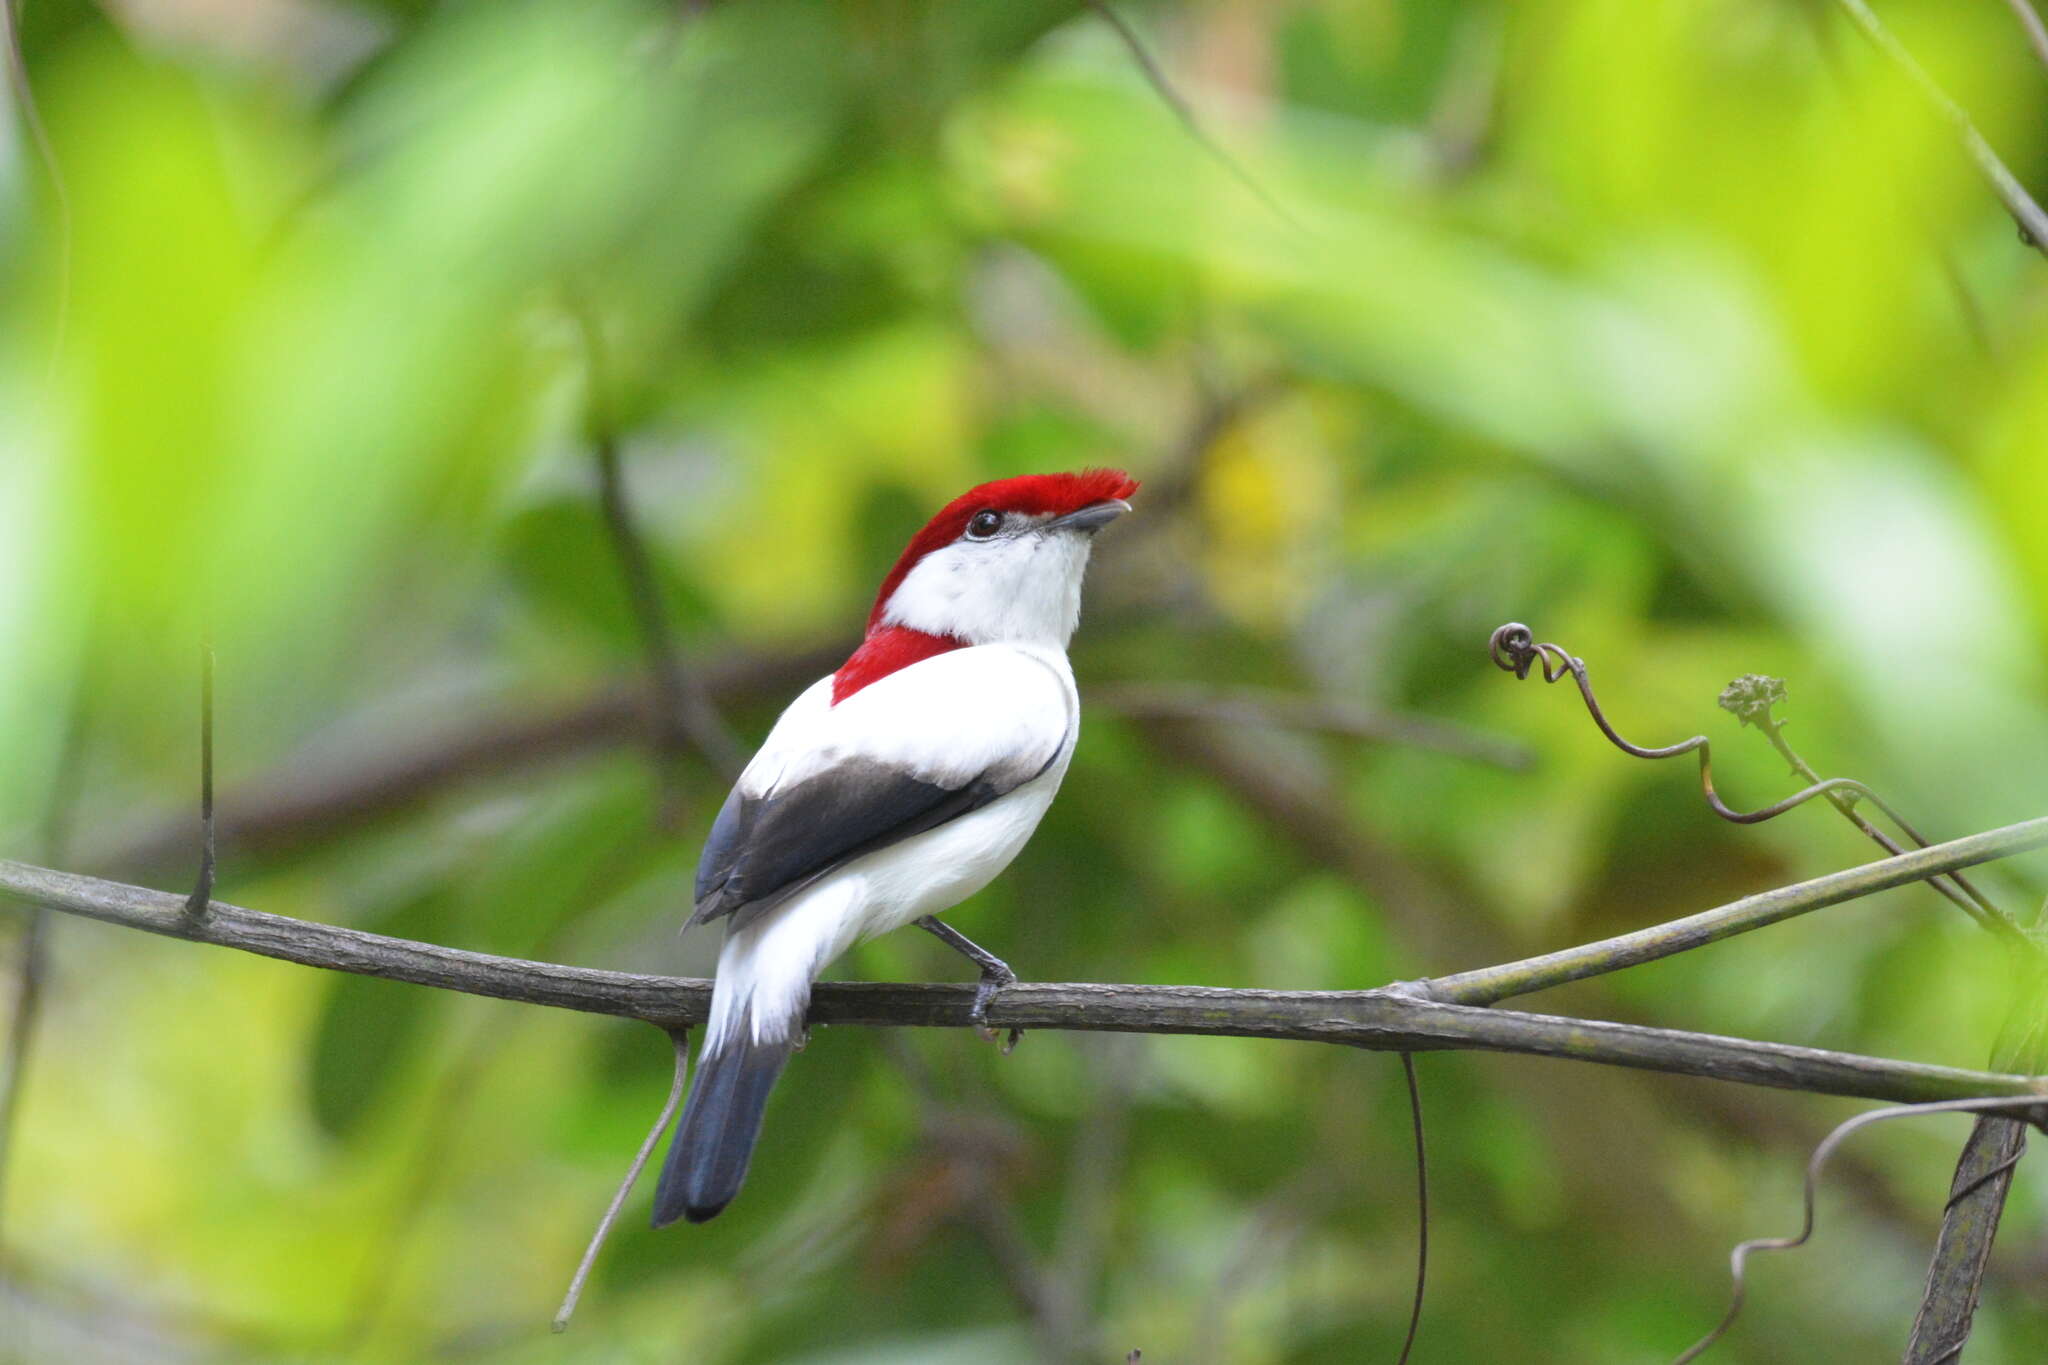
column 707, row 1161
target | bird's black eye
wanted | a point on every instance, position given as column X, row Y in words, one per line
column 984, row 524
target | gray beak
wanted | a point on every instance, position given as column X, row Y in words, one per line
column 1089, row 519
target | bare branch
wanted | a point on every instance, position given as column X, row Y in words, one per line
column 60, row 195
column 1488, row 984
column 1759, row 711
column 33, row 965
column 1421, row 1207
column 1393, row 1019
column 681, row 1039
column 2030, row 20
column 1968, row 1226
column 2033, row 220
column 681, row 713
column 308, row 799
column 1157, row 78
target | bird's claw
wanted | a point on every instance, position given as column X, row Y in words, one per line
column 985, row 990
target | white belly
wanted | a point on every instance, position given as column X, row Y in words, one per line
column 766, row 968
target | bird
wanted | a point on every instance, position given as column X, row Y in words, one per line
column 889, row 791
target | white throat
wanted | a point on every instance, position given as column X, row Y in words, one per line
column 1019, row 589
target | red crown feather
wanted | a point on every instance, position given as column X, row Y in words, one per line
column 887, row 649
column 1032, row 494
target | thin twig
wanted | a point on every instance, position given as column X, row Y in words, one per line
column 1488, row 984
column 681, row 1039
column 1421, row 1207
column 1392, row 1019
column 683, row 716
column 202, row 890
column 310, row 798
column 1753, row 700
column 60, row 195
column 2030, row 20
column 1738, row 1261
column 2033, row 220
column 1162, row 85
column 33, row 967
column 1285, row 710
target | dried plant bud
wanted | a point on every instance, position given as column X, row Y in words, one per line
column 1750, row 697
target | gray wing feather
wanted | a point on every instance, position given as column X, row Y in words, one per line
column 764, row 849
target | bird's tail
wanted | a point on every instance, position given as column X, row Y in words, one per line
column 707, row 1162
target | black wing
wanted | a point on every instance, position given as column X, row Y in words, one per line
column 763, row 849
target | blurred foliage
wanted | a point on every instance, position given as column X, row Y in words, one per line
column 1684, row 332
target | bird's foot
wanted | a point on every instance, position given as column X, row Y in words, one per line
column 995, row 975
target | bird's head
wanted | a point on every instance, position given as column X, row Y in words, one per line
column 1003, row 562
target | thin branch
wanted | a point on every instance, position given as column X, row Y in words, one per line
column 682, row 716
column 2033, row 220
column 32, row 969
column 309, row 799
column 1488, row 984
column 1162, row 85
column 202, row 889
column 1753, row 700
column 1738, row 1261
column 1394, row 1019
column 2030, row 20
column 60, row 195
column 681, row 1039
column 1969, row 1225
column 1421, row 1207
column 1285, row 710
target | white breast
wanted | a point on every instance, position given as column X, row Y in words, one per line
column 972, row 705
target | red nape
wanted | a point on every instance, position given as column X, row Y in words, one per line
column 1032, row 494
column 882, row 653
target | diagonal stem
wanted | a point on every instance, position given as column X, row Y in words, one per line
column 681, row 1039
column 2030, row 20
column 1487, row 984
column 2033, row 220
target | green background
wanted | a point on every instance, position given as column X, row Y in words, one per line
column 1683, row 331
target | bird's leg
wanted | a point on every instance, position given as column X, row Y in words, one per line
column 995, row 974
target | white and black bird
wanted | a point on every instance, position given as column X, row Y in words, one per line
column 889, row 792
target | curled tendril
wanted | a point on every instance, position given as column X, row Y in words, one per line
column 1738, row 1261
column 1515, row 649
